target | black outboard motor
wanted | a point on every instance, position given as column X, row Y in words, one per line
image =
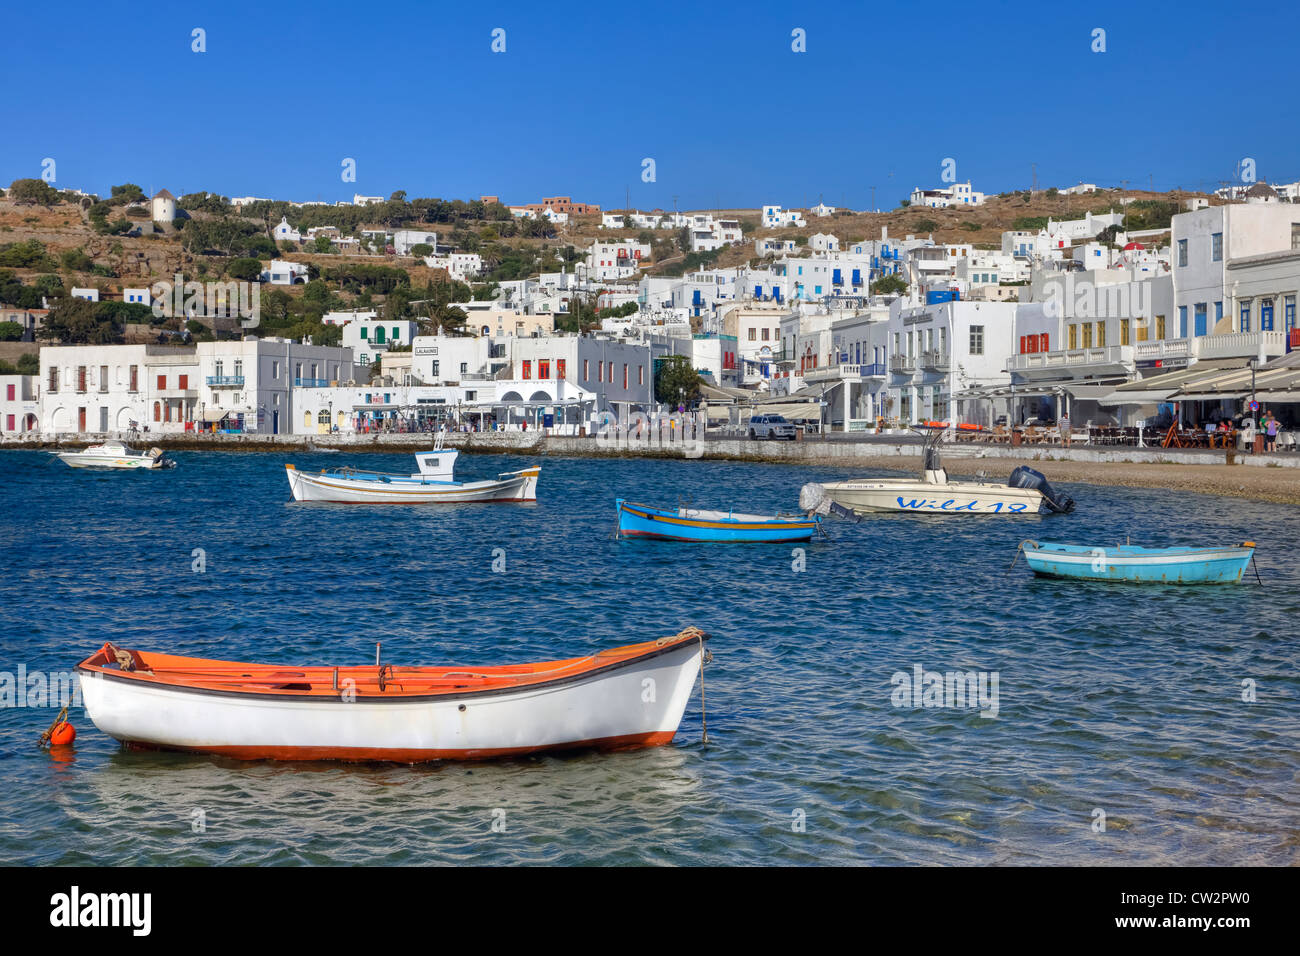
column 1024, row 477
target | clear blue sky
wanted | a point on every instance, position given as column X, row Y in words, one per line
column 584, row 92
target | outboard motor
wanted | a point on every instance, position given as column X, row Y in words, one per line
column 1024, row 477
column 814, row 500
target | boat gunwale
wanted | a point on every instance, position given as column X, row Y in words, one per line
column 150, row 680
column 764, row 522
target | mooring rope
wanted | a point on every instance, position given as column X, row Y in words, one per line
column 45, row 737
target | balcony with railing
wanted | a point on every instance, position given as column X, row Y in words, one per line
column 311, row 383
column 225, row 381
column 1114, row 358
column 1167, row 350
column 901, row 363
column 844, row 371
column 935, row 358
column 1242, row 345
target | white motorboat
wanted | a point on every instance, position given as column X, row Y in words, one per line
column 434, row 483
column 116, row 454
column 1026, row 493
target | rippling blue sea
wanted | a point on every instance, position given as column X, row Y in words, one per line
column 1116, row 698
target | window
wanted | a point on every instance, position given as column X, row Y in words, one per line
column 624, row 376
column 365, row 333
column 977, row 340
column 464, row 368
column 1289, row 311
column 239, row 369
column 397, row 332
column 1123, row 331
column 1087, row 335
column 600, row 371
column 1218, row 312
column 1266, row 315
column 81, row 378
column 640, row 374
column 1182, row 321
column 611, row 372
column 1216, row 247
column 767, row 335
column 1295, row 235
column 157, row 412
column 1244, row 325
column 559, row 368
column 528, row 368
column 135, row 381
column 543, row 368
column 103, row 378
column 183, row 382
column 433, row 370
column 586, row 376
column 1101, row 335
column 1043, row 339
column 162, row 383
column 1182, row 252
column 753, row 334
column 1074, row 337
column 9, row 392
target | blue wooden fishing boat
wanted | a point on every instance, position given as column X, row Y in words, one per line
column 1223, row 565
column 691, row 524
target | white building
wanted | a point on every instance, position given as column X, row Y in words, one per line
column 250, row 385
column 20, row 405
column 405, row 239
column 774, row 217
column 100, row 389
column 284, row 272
column 369, row 338
column 958, row 194
column 285, row 232
column 163, row 206
column 462, row 266
column 360, row 200
column 616, row 260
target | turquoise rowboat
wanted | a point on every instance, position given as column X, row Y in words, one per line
column 690, row 524
column 1140, row 565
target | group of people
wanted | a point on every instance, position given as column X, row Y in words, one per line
column 1266, row 423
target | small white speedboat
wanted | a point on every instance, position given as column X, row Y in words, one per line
column 116, row 454
column 434, row 483
column 1026, row 493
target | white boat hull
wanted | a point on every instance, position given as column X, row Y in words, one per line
column 945, row 498
column 418, row 489
column 609, row 707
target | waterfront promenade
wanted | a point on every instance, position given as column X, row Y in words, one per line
column 1272, row 477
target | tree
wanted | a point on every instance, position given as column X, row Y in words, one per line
column 11, row 332
column 893, row 284
column 125, row 194
column 421, row 249
column 676, row 381
column 323, row 244
column 250, row 270
column 33, row 190
column 78, row 322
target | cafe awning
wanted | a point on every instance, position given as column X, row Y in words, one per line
column 217, row 414
column 1162, row 387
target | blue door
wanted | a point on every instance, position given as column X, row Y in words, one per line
column 1266, row 316
column 857, row 277
column 1200, row 319
column 836, row 277
column 275, row 423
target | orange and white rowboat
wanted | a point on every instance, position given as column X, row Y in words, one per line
column 631, row 696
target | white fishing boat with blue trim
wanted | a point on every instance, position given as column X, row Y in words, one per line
column 434, row 483
column 1138, row 565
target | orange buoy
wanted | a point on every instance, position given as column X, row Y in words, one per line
column 63, row 733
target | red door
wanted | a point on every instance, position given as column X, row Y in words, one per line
column 81, row 419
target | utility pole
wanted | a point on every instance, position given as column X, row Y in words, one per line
column 1033, row 180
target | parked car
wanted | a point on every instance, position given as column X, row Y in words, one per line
column 771, row 426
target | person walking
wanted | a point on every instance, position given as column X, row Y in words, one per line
column 1063, row 428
